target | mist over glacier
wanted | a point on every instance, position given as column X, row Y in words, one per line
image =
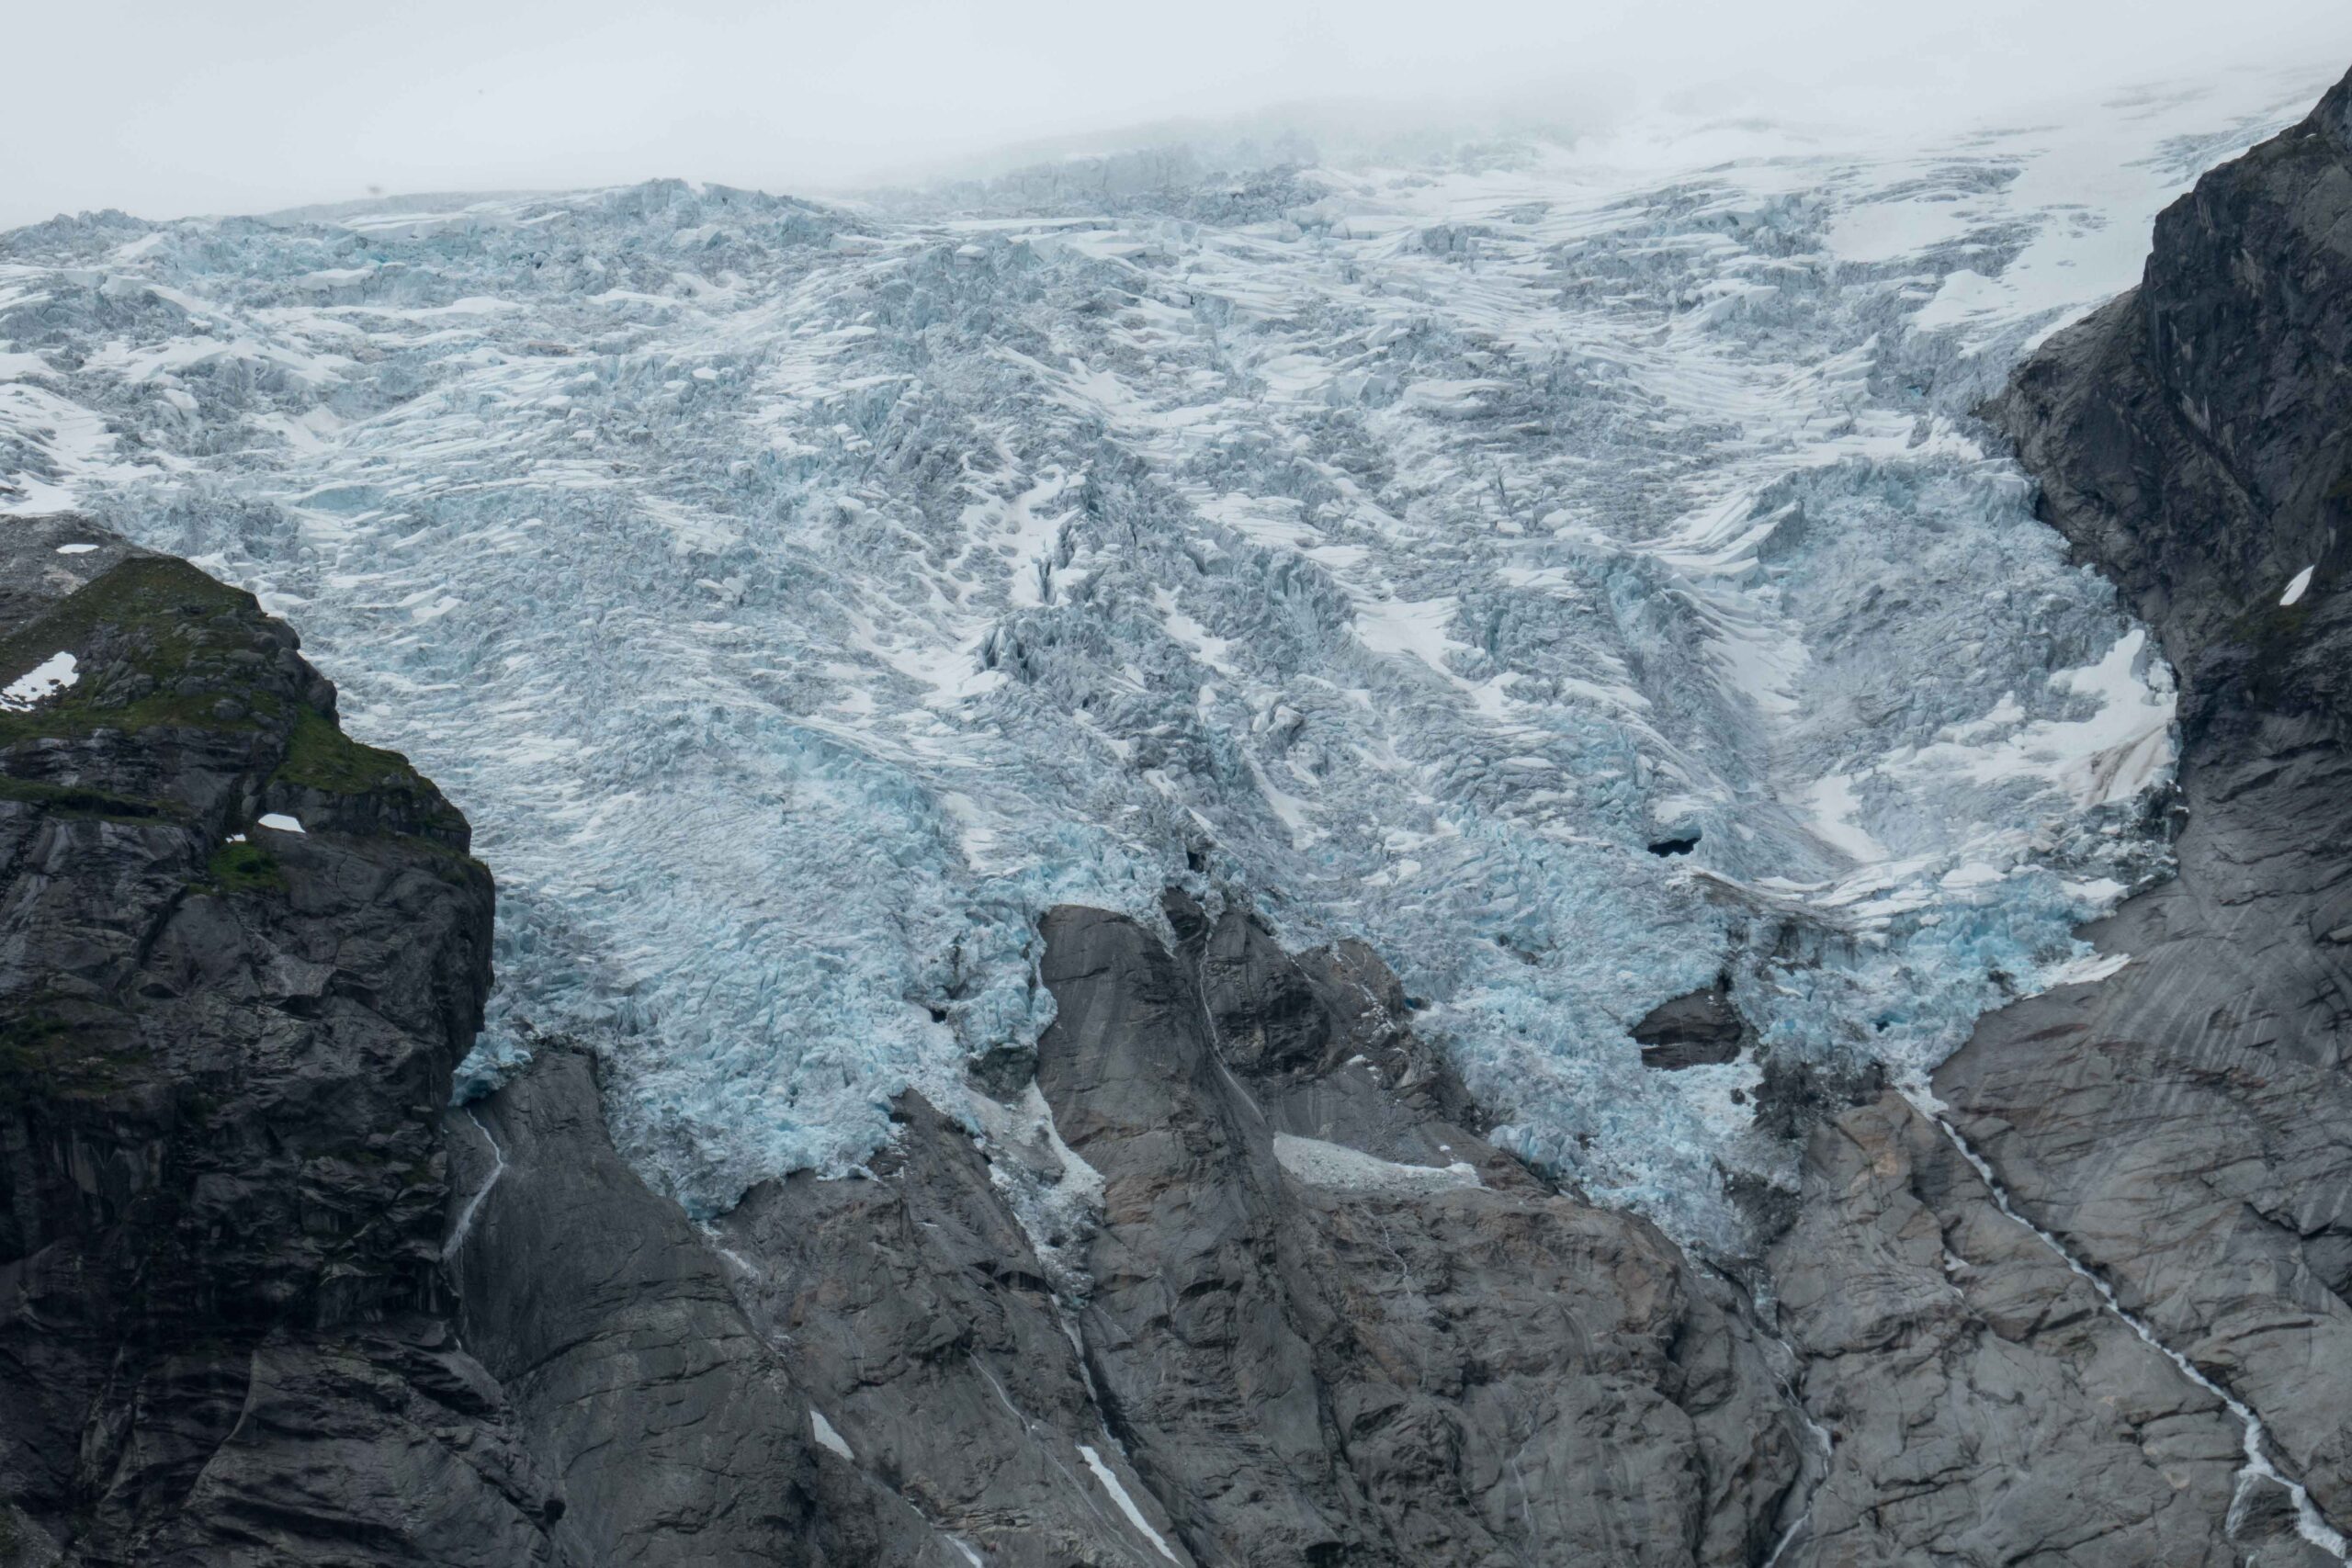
column 800, row 599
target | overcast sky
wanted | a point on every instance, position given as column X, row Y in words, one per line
column 240, row 105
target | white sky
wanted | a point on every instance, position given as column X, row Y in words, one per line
column 218, row 106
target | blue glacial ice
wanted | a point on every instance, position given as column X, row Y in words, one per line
column 801, row 598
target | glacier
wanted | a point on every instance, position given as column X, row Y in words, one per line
column 802, row 598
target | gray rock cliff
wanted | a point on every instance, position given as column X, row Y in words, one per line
column 2186, row 1125
column 2183, row 1129
column 223, row 1322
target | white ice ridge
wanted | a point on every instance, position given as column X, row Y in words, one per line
column 43, row 680
column 800, row 600
column 1320, row 1164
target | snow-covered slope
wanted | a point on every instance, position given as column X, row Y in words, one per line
column 799, row 601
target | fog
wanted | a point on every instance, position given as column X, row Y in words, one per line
column 167, row 109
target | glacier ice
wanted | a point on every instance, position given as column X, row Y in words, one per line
column 800, row 600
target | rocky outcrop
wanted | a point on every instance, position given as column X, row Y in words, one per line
column 1323, row 1320
column 224, row 1334
column 2185, row 1126
column 1333, row 1323
column 1700, row 1028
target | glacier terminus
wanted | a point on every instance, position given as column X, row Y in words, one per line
column 1575, row 570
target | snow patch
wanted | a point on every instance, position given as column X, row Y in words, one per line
column 1835, row 815
column 464, row 1227
column 43, row 680
column 1335, row 1166
column 2086, row 970
column 1110, row 1480
column 280, row 821
column 826, row 1436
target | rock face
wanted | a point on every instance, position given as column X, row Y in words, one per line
column 2185, row 1126
column 224, row 1334
column 1983, row 1404
column 634, row 1377
column 1690, row 1031
column 1331, row 1324
column 1327, row 1322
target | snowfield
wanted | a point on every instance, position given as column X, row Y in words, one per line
column 801, row 600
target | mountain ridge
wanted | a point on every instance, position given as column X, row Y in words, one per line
column 1225, row 1261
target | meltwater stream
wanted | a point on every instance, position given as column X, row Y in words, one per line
column 2259, row 1466
column 464, row 1227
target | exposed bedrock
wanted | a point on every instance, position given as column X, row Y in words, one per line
column 1334, row 1324
column 1982, row 1404
column 2186, row 1125
column 1327, row 1322
column 1697, row 1029
column 223, row 1047
column 675, row 1428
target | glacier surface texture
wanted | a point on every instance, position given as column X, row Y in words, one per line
column 801, row 598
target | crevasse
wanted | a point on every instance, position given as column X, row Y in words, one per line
column 800, row 600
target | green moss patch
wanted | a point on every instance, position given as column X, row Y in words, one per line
column 70, row 800
column 320, row 756
column 154, row 638
column 42, row 1051
column 450, row 864
column 244, row 868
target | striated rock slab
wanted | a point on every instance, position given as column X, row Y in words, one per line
column 1982, row 1403
column 636, row 1379
column 1342, row 1370
column 2186, row 1125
